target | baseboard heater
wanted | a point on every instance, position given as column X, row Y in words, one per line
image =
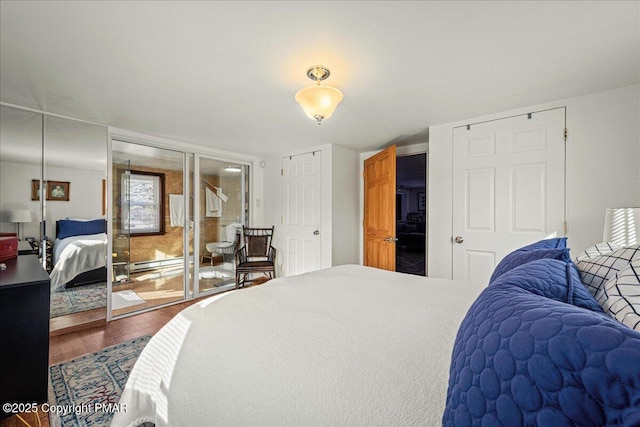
column 138, row 266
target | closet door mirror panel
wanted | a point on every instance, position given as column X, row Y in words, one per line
column 20, row 165
column 75, row 171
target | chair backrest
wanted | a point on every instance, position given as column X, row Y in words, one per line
column 257, row 241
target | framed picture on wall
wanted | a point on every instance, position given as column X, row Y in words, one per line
column 56, row 190
column 422, row 201
column 35, row 189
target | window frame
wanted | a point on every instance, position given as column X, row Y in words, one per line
column 160, row 208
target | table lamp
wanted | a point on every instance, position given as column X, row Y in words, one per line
column 17, row 216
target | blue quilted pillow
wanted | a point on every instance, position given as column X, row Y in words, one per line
column 519, row 257
column 551, row 278
column 554, row 243
column 69, row 228
column 522, row 360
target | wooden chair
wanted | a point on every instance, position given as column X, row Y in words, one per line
column 256, row 255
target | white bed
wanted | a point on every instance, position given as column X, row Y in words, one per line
column 349, row 345
column 75, row 255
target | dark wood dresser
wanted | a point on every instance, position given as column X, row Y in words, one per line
column 24, row 331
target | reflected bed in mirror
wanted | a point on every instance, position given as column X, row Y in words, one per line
column 79, row 271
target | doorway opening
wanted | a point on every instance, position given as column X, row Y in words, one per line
column 411, row 214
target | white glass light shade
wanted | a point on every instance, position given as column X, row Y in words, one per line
column 319, row 102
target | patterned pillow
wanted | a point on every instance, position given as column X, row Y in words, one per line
column 620, row 296
column 596, row 271
column 598, row 249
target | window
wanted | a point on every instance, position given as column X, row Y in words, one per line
column 144, row 196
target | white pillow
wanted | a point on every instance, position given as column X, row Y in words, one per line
column 598, row 249
column 620, row 296
column 596, row 271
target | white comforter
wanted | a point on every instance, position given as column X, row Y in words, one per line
column 75, row 255
column 350, row 345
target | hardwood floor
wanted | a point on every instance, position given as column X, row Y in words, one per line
column 74, row 344
column 75, row 321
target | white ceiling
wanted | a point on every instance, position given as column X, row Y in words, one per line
column 224, row 74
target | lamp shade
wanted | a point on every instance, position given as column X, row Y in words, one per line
column 622, row 226
column 15, row 215
column 319, row 102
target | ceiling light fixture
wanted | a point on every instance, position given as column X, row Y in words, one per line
column 231, row 168
column 319, row 101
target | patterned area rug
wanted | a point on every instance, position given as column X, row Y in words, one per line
column 91, row 382
column 80, row 298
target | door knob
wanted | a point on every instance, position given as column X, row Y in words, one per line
column 458, row 239
column 317, row 232
column 390, row 239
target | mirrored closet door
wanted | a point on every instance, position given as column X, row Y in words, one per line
column 53, row 175
column 74, row 220
column 20, row 172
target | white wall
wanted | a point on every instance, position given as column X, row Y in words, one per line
column 345, row 192
column 603, row 157
column 85, row 195
column 273, row 206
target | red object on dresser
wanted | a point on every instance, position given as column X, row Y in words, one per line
column 8, row 246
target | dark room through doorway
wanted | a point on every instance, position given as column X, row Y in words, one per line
column 411, row 214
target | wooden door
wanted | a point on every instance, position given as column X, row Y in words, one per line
column 302, row 178
column 508, row 189
column 380, row 210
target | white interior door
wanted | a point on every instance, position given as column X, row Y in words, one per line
column 301, row 212
column 508, row 188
